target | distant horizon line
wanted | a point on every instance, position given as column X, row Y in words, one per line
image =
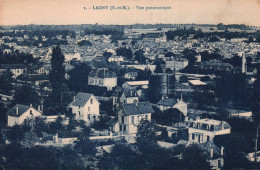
column 127, row 24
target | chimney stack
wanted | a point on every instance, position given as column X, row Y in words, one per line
column 74, row 98
column 222, row 151
column 211, row 152
column 17, row 110
column 30, row 105
column 222, row 124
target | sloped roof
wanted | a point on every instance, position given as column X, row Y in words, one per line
column 167, row 102
column 197, row 82
column 12, row 66
column 102, row 73
column 206, row 147
column 137, row 108
column 81, row 99
column 112, row 121
column 21, row 110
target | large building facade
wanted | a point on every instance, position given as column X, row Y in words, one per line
column 103, row 78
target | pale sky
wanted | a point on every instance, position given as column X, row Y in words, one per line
column 59, row 12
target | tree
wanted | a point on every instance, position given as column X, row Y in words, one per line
column 190, row 56
column 5, row 85
column 146, row 137
column 236, row 147
column 3, row 116
column 139, row 56
column 16, row 133
column 29, row 139
column 26, row 95
column 85, row 147
column 194, row 158
column 122, row 156
column 255, row 107
column 167, row 117
column 57, row 73
column 172, row 116
column 125, row 52
column 79, row 78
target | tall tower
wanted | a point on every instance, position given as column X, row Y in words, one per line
column 243, row 63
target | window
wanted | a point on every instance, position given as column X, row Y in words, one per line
column 133, row 120
column 91, row 101
column 88, row 108
column 88, row 116
column 79, row 113
column 30, row 112
column 120, row 127
column 207, row 138
column 124, row 128
column 193, row 136
column 122, row 119
column 146, row 117
column 94, row 117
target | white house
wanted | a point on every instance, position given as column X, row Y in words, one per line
column 116, row 59
column 20, row 114
column 72, row 55
column 85, row 107
column 130, row 116
column 177, row 64
column 204, row 130
column 167, row 103
column 16, row 69
column 103, row 78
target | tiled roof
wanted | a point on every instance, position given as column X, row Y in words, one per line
column 137, row 108
column 112, row 121
column 167, row 102
column 102, row 73
column 21, row 110
column 12, row 66
column 81, row 99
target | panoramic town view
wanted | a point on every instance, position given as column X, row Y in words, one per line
column 141, row 96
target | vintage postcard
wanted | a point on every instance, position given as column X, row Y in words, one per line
column 129, row 84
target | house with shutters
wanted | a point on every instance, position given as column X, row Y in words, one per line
column 20, row 114
column 131, row 114
column 85, row 106
column 204, row 130
column 103, row 77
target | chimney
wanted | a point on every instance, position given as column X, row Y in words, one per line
column 222, row 124
column 74, row 98
column 222, row 151
column 17, row 110
column 39, row 107
column 42, row 107
column 211, row 152
column 30, row 105
column 56, row 138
